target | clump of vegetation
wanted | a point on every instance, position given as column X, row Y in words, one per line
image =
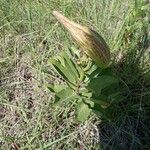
column 90, row 85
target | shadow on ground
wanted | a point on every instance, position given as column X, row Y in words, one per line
column 130, row 127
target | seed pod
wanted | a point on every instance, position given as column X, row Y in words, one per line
column 89, row 40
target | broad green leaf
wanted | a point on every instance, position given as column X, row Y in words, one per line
column 59, row 87
column 77, row 69
column 85, row 92
column 83, row 111
column 56, row 87
column 64, row 71
column 103, row 103
column 102, row 98
column 62, row 60
column 64, row 94
column 101, row 82
column 94, row 71
column 66, row 67
column 71, row 66
column 97, row 109
column 113, row 89
column 116, row 97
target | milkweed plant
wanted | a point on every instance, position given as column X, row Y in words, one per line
column 90, row 82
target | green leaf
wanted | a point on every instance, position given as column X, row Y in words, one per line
column 83, row 111
column 71, row 66
column 94, row 71
column 64, row 94
column 56, row 87
column 59, row 87
column 97, row 109
column 101, row 82
column 62, row 60
column 66, row 67
column 116, row 97
column 101, row 100
column 64, row 71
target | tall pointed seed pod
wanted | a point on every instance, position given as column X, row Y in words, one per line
column 89, row 40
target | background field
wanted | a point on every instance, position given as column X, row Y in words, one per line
column 30, row 35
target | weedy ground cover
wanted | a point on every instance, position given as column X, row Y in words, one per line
column 31, row 37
